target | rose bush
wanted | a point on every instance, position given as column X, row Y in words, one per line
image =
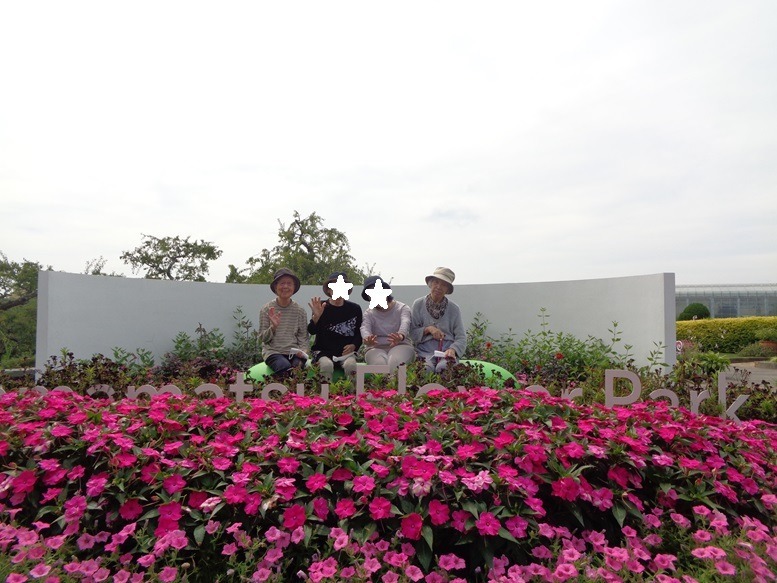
column 482, row 485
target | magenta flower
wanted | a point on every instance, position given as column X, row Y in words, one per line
column 363, row 484
column 345, row 508
column 294, row 516
column 451, row 562
column 168, row 574
column 380, row 508
column 725, row 568
column 439, row 513
column 316, row 482
column 173, row 484
column 411, row 526
column 566, row 489
column 488, row 524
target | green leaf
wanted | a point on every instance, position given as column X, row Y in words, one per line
column 507, row 536
column 424, row 555
column 199, row 534
column 428, row 535
column 472, row 507
column 619, row 512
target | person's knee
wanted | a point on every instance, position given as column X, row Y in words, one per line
column 327, row 367
column 349, row 367
column 278, row 363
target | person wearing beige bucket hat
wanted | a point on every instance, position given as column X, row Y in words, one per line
column 437, row 329
column 283, row 325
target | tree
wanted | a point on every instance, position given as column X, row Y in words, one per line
column 306, row 247
column 172, row 258
column 18, row 282
column 18, row 308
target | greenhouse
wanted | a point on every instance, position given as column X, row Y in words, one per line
column 730, row 301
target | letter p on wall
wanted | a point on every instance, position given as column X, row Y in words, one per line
column 610, row 400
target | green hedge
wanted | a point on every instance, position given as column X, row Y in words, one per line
column 723, row 334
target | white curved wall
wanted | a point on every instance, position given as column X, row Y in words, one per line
column 93, row 314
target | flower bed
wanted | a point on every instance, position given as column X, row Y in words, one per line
column 483, row 485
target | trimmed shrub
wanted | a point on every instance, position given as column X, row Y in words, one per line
column 694, row 311
column 728, row 335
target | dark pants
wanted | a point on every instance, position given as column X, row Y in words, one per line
column 280, row 363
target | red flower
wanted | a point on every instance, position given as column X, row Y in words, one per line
column 559, row 356
column 294, row 517
column 566, row 489
column 130, row 510
column 411, row 526
column 24, row 483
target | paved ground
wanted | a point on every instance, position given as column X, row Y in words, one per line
column 759, row 371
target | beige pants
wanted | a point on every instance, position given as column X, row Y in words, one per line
column 400, row 354
column 327, row 367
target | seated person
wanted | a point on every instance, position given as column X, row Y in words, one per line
column 437, row 323
column 283, row 325
column 336, row 324
column 386, row 331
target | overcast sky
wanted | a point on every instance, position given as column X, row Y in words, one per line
column 511, row 141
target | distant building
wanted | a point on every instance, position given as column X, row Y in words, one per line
column 730, row 301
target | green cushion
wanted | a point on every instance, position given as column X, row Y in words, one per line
column 260, row 373
column 491, row 370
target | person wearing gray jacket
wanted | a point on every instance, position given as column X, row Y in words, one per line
column 436, row 328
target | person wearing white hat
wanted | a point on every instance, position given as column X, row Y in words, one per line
column 437, row 329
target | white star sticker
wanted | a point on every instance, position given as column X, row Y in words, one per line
column 340, row 289
column 378, row 295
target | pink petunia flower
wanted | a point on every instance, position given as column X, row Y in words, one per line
column 168, row 574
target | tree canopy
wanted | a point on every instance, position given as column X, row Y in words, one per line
column 18, row 282
column 173, row 258
column 308, row 248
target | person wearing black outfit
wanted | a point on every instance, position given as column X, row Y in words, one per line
column 336, row 324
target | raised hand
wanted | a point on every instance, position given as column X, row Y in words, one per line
column 317, row 307
column 275, row 318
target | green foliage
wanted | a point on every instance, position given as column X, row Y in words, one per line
column 757, row 350
column 306, row 247
column 82, row 374
column 767, row 333
column 17, row 335
column 727, row 335
column 694, row 311
column 546, row 357
column 18, row 282
column 18, row 293
column 172, row 258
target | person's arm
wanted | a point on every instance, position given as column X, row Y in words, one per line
column 405, row 321
column 358, row 334
column 459, row 332
column 266, row 331
column 417, row 321
column 302, row 337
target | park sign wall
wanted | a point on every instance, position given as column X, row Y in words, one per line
column 90, row 315
column 241, row 390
